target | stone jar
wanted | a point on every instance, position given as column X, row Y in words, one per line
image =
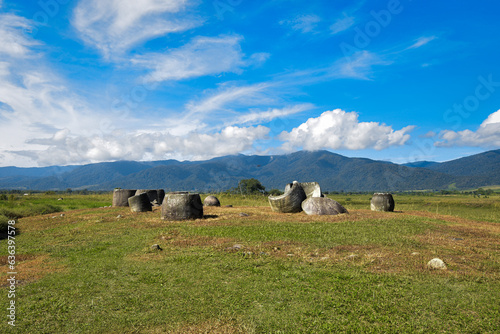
column 181, row 206
column 161, row 196
column 382, row 202
column 120, row 196
column 152, row 194
column 211, row 201
column 140, row 203
column 290, row 201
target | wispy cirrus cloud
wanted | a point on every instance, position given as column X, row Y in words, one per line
column 229, row 97
column 303, row 23
column 114, row 26
column 338, row 129
column 12, row 42
column 258, row 116
column 342, row 24
column 35, row 101
column 421, row 41
column 487, row 135
column 201, row 56
column 358, row 66
column 241, row 105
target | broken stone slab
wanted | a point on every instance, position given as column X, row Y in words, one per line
column 211, row 201
column 322, row 206
column 290, row 201
column 121, row 196
column 140, row 203
column 152, row 194
column 181, row 206
column 312, row 189
column 382, row 202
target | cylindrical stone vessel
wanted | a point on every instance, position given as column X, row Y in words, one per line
column 211, row 201
column 161, row 195
column 120, row 196
column 140, row 203
column 181, row 206
column 382, row 202
column 290, row 201
column 152, row 194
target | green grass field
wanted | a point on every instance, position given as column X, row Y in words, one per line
column 88, row 271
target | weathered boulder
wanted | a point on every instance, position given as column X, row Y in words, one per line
column 382, row 202
column 120, row 196
column 211, row 201
column 322, row 206
column 140, row 203
column 181, row 205
column 290, row 201
column 436, row 264
column 152, row 194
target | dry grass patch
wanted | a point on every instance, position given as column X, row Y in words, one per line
column 467, row 250
column 30, row 267
column 480, row 225
column 212, row 327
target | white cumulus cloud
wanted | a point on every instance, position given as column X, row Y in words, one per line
column 64, row 148
column 338, row 129
column 487, row 135
column 114, row 26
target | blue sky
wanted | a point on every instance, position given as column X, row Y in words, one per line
column 105, row 80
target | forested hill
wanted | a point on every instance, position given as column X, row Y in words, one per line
column 334, row 172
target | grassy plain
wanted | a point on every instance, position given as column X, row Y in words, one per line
column 93, row 271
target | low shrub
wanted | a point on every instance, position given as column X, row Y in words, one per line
column 4, row 224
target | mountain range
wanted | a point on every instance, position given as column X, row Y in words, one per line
column 334, row 172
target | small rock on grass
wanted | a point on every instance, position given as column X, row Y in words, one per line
column 436, row 264
column 156, row 247
column 243, row 214
column 235, row 247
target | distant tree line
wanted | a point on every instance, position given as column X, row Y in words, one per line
column 52, row 192
column 254, row 187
